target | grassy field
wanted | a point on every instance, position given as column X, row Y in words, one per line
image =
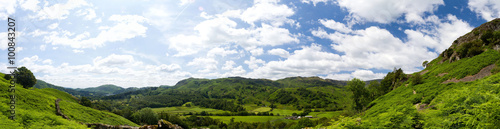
column 325, row 114
column 227, row 119
column 182, row 109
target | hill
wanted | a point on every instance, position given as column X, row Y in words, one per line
column 103, row 90
column 107, row 89
column 459, row 89
column 297, row 93
column 40, row 84
column 36, row 109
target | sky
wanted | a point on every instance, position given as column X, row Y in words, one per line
column 87, row 43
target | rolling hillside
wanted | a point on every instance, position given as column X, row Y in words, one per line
column 36, row 109
column 460, row 89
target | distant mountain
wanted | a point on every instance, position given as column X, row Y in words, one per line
column 108, row 89
column 40, row 84
column 103, row 90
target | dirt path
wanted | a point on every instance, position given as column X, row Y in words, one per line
column 486, row 71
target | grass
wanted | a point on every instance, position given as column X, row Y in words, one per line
column 36, row 109
column 262, row 109
column 287, row 112
column 183, row 109
column 227, row 119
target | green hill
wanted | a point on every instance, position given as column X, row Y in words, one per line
column 36, row 109
column 40, row 84
column 107, row 89
column 303, row 92
column 460, row 89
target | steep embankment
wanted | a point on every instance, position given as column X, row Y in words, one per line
column 36, row 109
column 460, row 89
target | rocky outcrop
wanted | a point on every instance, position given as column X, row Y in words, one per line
column 162, row 124
column 486, row 71
column 58, row 110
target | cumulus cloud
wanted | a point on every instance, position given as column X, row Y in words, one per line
column 332, row 24
column 487, row 9
column 360, row 74
column 309, row 61
column 279, row 52
column 222, row 31
column 126, row 27
column 253, row 63
column 220, row 51
column 314, row 2
column 377, row 48
column 104, row 70
column 113, row 60
column 205, row 65
column 59, row 11
column 7, row 7
column 386, row 11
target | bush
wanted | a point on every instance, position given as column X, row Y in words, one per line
column 417, row 79
column 145, row 116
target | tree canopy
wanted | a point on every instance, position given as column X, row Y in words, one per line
column 25, row 77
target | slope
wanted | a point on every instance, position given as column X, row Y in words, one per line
column 438, row 102
column 36, row 109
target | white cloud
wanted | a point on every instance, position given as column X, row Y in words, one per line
column 257, row 51
column 223, row 31
column 279, row 52
column 29, row 5
column 314, row 2
column 160, row 16
column 42, row 47
column 126, row 27
column 91, row 75
column 332, row 24
column 377, row 48
column 488, row 9
column 386, row 11
column 309, row 61
column 185, row 2
column 207, row 64
column 7, row 7
column 88, row 13
column 360, row 74
column 253, row 63
column 77, row 51
column 60, row 11
column 168, row 68
column 53, row 26
column 113, row 60
column 4, row 42
column 47, row 61
column 232, row 71
column 220, row 51
column 268, row 11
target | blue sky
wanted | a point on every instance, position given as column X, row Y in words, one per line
column 83, row 43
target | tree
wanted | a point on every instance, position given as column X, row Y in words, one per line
column 25, row 77
column 85, row 102
column 425, row 63
column 7, row 77
column 374, row 90
column 145, row 116
column 360, row 93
